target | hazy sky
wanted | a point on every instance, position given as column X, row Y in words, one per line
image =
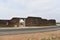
column 49, row 9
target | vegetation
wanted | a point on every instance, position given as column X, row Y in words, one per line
column 51, row 38
column 58, row 23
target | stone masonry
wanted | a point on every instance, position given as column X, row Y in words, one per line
column 29, row 21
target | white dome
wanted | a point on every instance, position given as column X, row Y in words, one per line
column 21, row 21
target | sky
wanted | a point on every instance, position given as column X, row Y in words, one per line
column 47, row 9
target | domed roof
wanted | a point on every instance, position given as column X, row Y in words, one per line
column 21, row 21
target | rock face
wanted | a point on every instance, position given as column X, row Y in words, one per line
column 29, row 21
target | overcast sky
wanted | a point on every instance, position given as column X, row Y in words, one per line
column 49, row 9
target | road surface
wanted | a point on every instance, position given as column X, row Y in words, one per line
column 26, row 30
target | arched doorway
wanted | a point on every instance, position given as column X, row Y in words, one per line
column 21, row 23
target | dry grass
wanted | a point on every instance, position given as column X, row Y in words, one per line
column 58, row 24
column 33, row 36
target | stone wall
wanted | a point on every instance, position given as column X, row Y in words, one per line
column 29, row 21
column 3, row 23
column 37, row 21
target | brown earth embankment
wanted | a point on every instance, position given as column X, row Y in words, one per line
column 31, row 36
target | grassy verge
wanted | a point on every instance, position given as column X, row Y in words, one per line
column 58, row 24
column 33, row 26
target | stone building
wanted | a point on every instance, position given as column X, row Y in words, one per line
column 29, row 21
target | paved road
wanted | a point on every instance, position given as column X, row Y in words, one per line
column 26, row 30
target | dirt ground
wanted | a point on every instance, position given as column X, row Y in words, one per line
column 31, row 36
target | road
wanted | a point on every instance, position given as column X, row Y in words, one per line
column 26, row 30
